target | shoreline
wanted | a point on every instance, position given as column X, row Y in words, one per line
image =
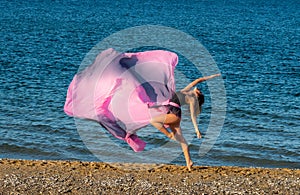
column 78, row 177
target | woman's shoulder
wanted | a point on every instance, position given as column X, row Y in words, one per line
column 178, row 97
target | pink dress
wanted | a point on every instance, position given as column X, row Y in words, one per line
column 119, row 90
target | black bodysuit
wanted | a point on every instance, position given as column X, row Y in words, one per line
column 179, row 99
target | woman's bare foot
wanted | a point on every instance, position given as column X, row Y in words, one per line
column 172, row 136
column 189, row 165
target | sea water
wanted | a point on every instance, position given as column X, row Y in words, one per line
column 255, row 45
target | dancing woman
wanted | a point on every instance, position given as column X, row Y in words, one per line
column 192, row 97
column 126, row 80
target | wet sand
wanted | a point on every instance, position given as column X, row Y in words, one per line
column 74, row 177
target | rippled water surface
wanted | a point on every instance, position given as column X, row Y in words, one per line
column 254, row 43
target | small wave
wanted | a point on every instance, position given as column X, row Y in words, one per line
column 236, row 160
column 15, row 151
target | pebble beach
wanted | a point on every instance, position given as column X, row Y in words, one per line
column 77, row 177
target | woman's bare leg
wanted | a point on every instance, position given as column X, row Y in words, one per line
column 185, row 148
column 159, row 121
column 174, row 122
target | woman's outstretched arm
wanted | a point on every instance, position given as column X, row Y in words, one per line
column 195, row 111
column 199, row 80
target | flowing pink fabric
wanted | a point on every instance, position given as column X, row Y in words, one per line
column 117, row 89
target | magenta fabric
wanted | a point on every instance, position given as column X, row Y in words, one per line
column 135, row 143
column 117, row 89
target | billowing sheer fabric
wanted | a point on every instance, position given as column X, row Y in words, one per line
column 123, row 91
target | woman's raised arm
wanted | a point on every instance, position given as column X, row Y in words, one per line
column 199, row 80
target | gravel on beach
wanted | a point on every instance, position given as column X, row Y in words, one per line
column 76, row 177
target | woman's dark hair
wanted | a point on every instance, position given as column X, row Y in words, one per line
column 200, row 98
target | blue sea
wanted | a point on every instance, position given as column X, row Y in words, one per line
column 255, row 45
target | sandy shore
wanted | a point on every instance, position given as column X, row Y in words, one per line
column 73, row 177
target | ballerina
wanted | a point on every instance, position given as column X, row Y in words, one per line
column 126, row 80
column 192, row 97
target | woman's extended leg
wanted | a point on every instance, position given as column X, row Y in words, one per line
column 174, row 122
column 185, row 147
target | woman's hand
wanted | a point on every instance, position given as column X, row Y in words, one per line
column 209, row 77
column 198, row 134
